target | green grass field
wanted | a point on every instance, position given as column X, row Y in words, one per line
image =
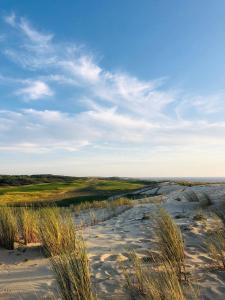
column 85, row 189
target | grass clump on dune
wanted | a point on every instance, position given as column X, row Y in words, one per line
column 202, row 198
column 68, row 256
column 136, row 282
column 153, row 282
column 191, row 196
column 8, row 227
column 220, row 212
column 28, row 223
column 215, row 242
column 72, row 273
column 170, row 241
column 102, row 204
column 216, row 246
column 56, row 230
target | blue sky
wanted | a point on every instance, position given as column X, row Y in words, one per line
column 112, row 88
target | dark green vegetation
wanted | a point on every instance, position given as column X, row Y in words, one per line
column 6, row 180
column 63, row 190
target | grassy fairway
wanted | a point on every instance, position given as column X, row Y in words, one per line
column 69, row 192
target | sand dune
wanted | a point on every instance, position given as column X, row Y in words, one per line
column 25, row 272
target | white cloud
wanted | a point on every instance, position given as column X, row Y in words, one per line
column 82, row 67
column 117, row 110
column 34, row 35
column 23, row 25
column 52, row 130
column 35, row 90
column 11, row 19
column 211, row 103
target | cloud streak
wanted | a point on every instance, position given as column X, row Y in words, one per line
column 108, row 108
column 34, row 90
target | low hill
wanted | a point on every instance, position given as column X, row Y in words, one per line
column 63, row 190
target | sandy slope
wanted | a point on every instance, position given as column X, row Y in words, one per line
column 24, row 274
column 28, row 274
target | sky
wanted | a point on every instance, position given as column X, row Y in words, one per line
column 112, row 88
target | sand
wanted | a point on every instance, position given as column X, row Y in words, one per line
column 25, row 272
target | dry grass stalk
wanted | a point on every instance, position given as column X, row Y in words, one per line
column 220, row 212
column 103, row 204
column 8, row 227
column 93, row 218
column 158, row 282
column 136, row 283
column 216, row 246
column 68, row 256
column 28, row 221
column 56, row 231
column 191, row 196
column 170, row 242
column 72, row 273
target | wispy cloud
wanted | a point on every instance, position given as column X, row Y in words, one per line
column 23, row 25
column 109, row 107
column 34, row 90
column 10, row 19
column 34, row 35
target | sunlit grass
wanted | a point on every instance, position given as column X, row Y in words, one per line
column 28, row 224
column 157, row 281
column 67, row 252
column 57, row 191
column 170, row 241
column 72, row 273
column 8, row 227
column 216, row 246
column 102, row 204
column 56, row 230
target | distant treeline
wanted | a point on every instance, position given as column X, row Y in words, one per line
column 33, row 179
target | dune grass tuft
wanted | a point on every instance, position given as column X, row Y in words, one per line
column 28, row 223
column 72, row 273
column 191, row 196
column 68, row 256
column 170, row 241
column 220, row 212
column 8, row 227
column 216, row 246
column 56, row 230
column 153, row 282
column 215, row 242
column 102, row 204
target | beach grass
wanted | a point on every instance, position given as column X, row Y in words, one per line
column 28, row 224
column 170, row 241
column 216, row 246
column 72, row 273
column 56, row 230
column 8, row 227
column 156, row 281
